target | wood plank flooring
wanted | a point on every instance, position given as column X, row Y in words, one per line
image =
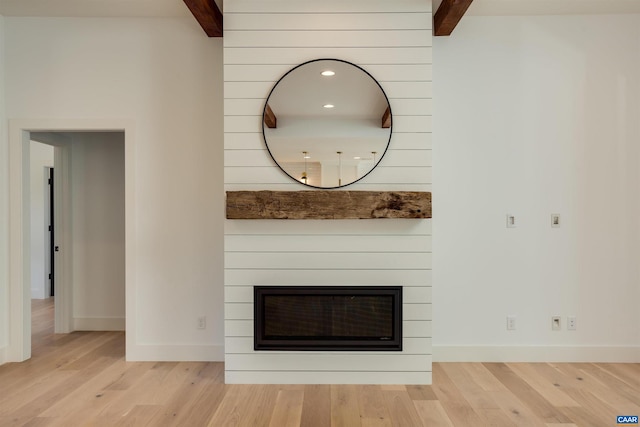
column 81, row 379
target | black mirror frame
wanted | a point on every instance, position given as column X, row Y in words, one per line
column 264, row 137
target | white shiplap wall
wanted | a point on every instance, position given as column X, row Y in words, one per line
column 392, row 41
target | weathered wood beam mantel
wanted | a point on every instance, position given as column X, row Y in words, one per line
column 208, row 16
column 324, row 204
column 448, row 15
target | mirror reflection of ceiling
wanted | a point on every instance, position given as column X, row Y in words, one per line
column 354, row 126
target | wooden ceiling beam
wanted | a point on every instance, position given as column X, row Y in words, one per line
column 448, row 15
column 270, row 118
column 208, row 16
column 386, row 118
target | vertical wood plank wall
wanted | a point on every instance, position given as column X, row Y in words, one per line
column 392, row 41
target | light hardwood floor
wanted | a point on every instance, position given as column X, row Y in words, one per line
column 81, row 379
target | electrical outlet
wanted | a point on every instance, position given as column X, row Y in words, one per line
column 511, row 221
column 511, row 323
column 202, row 322
column 572, row 324
column 556, row 325
column 555, row 220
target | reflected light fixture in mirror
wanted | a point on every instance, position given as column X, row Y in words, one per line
column 339, row 168
column 304, row 178
column 327, row 106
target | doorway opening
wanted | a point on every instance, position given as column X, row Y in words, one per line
column 41, row 197
column 85, row 249
column 51, row 237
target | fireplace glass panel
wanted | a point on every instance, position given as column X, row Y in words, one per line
column 328, row 318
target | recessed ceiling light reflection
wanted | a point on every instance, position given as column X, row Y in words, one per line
column 328, row 105
column 328, row 73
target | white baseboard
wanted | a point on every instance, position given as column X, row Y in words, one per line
column 604, row 354
column 175, row 353
column 3, row 355
column 326, row 377
column 37, row 293
column 99, row 324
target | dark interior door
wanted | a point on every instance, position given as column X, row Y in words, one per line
column 51, row 233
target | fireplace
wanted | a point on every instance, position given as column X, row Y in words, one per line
column 328, row 318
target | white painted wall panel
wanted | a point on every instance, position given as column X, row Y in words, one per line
column 325, row 243
column 326, row 260
column 238, row 311
column 415, row 158
column 238, row 328
column 412, row 124
column 410, row 329
column 416, row 328
column 411, row 295
column 538, row 115
column 400, row 175
column 241, row 345
column 392, row 41
column 416, row 311
column 418, row 278
column 326, row 377
column 364, row 226
column 4, row 204
column 360, row 56
column 413, row 90
column 412, row 141
column 357, row 7
column 253, row 124
column 383, row 72
column 98, row 230
column 326, row 362
column 164, row 77
column 328, row 21
column 241, row 106
column 407, row 106
column 243, row 140
column 261, row 158
column 381, row 175
column 362, row 185
column 364, row 38
column 247, row 90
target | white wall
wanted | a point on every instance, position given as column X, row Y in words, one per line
column 41, row 159
column 166, row 76
column 98, row 230
column 392, row 41
column 533, row 116
column 4, row 205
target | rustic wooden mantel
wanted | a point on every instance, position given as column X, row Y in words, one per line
column 323, row 204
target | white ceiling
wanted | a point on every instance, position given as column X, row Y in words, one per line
column 550, row 7
column 166, row 8
column 96, row 8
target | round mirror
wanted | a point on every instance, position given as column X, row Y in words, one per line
column 327, row 123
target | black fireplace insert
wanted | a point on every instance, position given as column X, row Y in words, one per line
column 328, row 318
